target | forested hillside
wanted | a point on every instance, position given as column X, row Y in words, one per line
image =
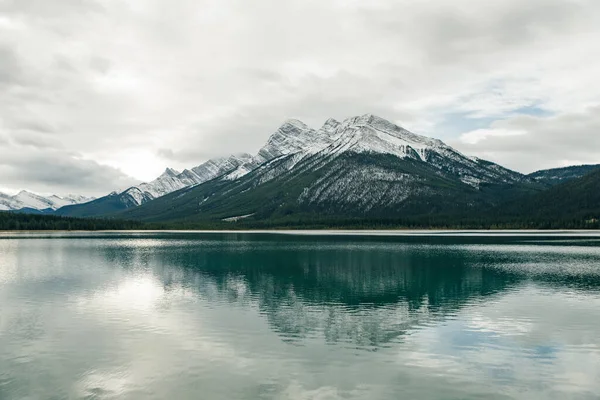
column 577, row 199
column 34, row 222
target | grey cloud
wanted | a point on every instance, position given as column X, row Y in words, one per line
column 100, row 64
column 35, row 140
column 63, row 63
column 247, row 129
column 9, row 66
column 265, row 75
column 178, row 82
column 46, row 9
column 60, row 172
column 449, row 32
column 543, row 143
column 35, row 126
column 168, row 154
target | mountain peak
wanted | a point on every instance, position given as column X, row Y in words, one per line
column 393, row 130
column 292, row 136
column 25, row 199
column 291, row 128
column 330, row 125
column 245, row 157
column 369, row 117
column 375, row 121
column 295, row 123
column 170, row 172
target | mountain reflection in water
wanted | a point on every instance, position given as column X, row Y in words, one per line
column 243, row 315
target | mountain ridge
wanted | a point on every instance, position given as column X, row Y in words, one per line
column 362, row 167
column 555, row 176
column 29, row 200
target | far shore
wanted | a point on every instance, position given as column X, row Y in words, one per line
column 334, row 232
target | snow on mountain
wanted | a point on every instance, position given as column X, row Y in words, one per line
column 358, row 134
column 76, row 199
column 166, row 183
column 362, row 167
column 555, row 176
column 366, row 133
column 220, row 166
column 294, row 143
column 32, row 200
column 134, row 196
column 370, row 134
column 292, row 137
column 25, row 199
column 171, row 180
column 8, row 202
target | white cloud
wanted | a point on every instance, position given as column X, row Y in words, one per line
column 479, row 135
column 181, row 82
column 529, row 143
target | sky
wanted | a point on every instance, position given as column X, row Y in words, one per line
column 96, row 95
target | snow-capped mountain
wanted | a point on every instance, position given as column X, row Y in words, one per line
column 292, row 137
column 28, row 200
column 8, row 202
column 172, row 180
column 363, row 165
column 169, row 181
column 370, row 134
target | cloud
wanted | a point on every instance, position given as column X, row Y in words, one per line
column 57, row 171
column 9, row 72
column 248, row 126
column 459, row 29
column 174, row 85
column 528, row 143
column 476, row 136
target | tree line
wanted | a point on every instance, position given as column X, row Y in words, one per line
column 15, row 221
column 10, row 221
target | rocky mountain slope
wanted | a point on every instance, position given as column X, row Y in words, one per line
column 170, row 181
column 361, row 169
column 363, row 166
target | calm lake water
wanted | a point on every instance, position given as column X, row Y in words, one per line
column 280, row 316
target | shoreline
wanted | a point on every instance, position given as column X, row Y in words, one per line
column 328, row 232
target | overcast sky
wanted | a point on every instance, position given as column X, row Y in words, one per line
column 98, row 94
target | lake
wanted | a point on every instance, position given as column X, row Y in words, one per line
column 299, row 316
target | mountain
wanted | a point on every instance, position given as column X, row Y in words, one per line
column 25, row 200
column 112, row 203
column 7, row 202
column 577, row 199
column 363, row 170
column 363, row 167
column 169, row 181
column 559, row 175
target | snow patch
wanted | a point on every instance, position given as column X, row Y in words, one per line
column 235, row 219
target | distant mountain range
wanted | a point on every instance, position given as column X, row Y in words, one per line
column 574, row 199
column 361, row 168
column 561, row 175
column 31, row 201
column 170, row 181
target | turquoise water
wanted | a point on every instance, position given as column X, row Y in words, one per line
column 279, row 316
